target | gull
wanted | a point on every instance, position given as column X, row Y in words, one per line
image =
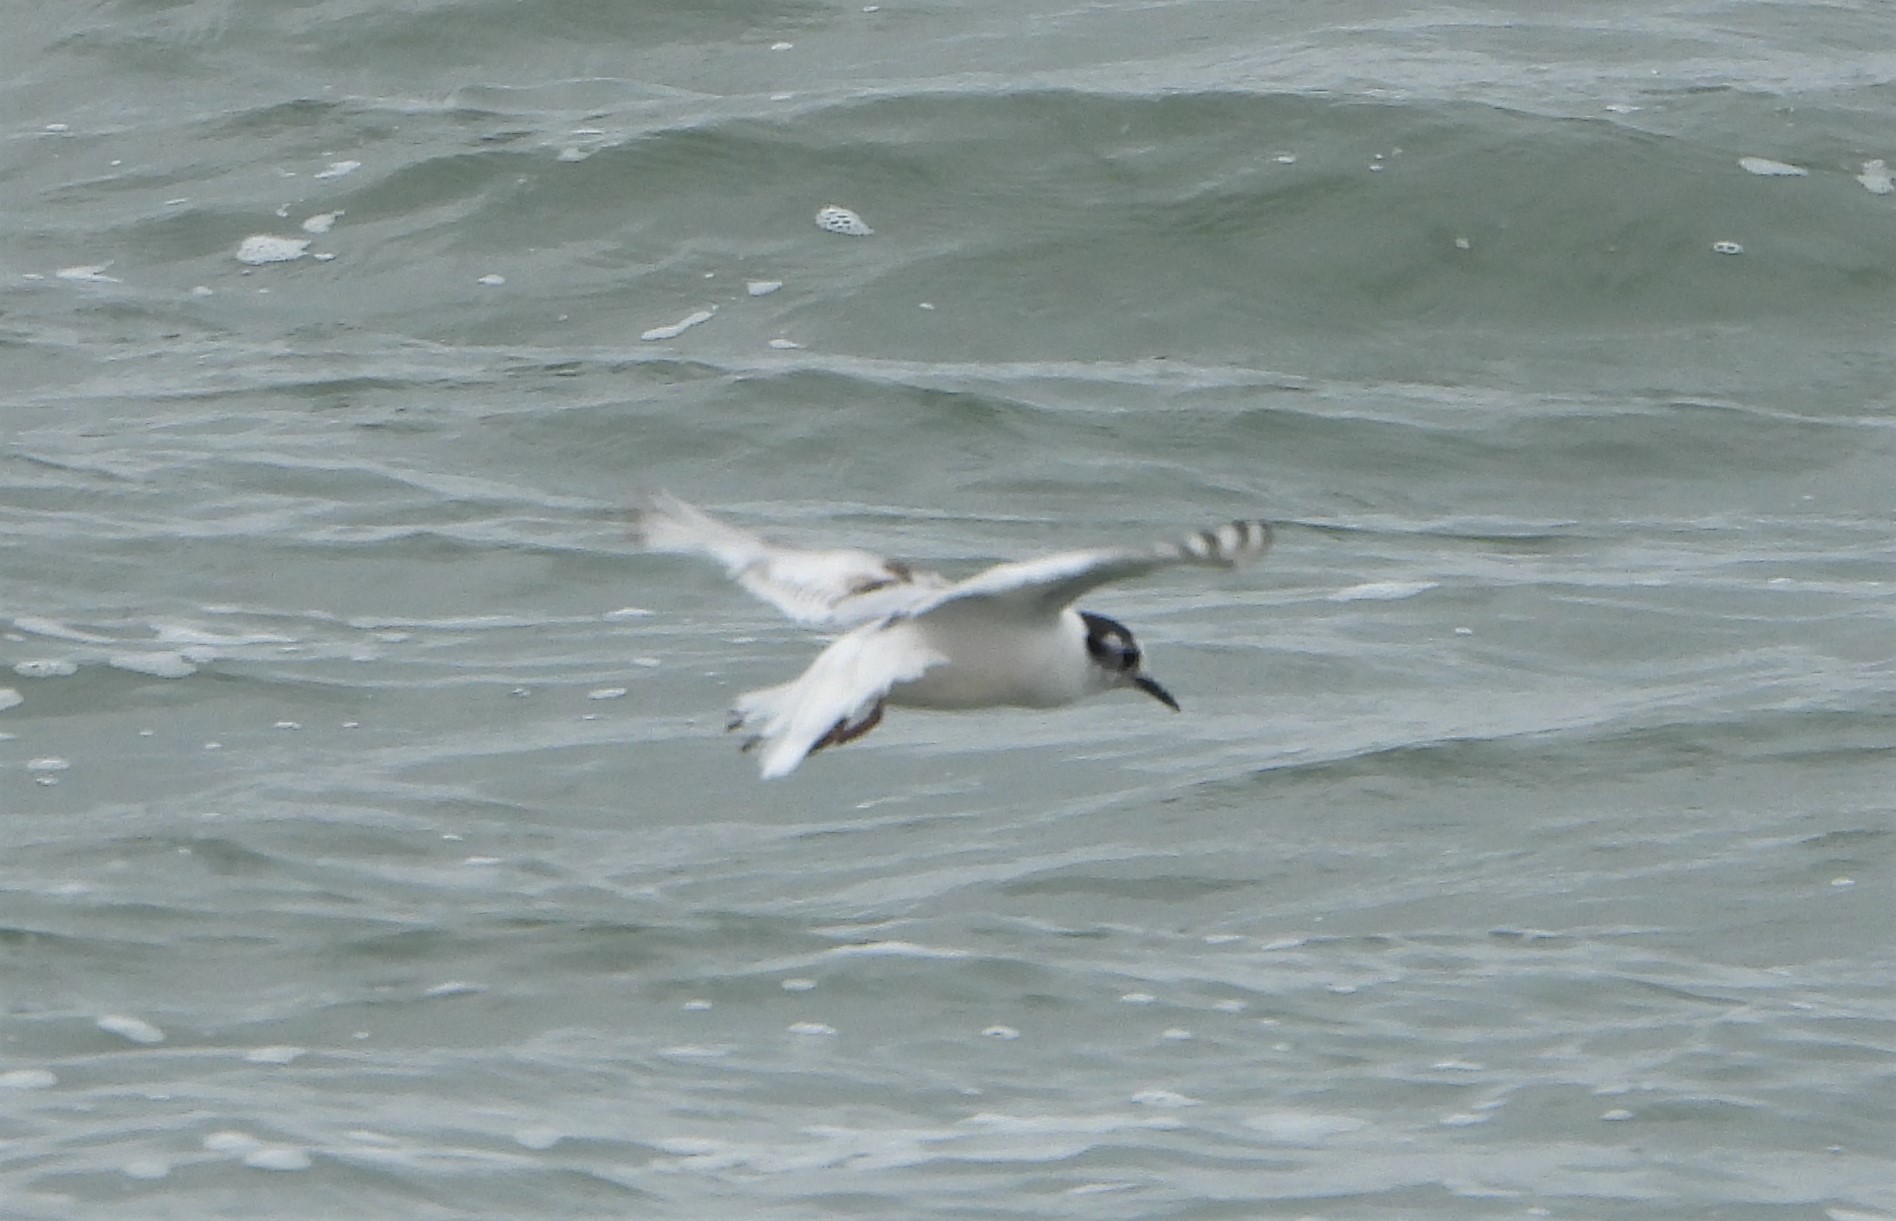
column 1008, row 636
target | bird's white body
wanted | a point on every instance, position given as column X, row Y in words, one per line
column 1008, row 636
column 1024, row 668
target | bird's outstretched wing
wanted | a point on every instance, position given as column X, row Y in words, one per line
column 1051, row 583
column 838, row 698
column 839, row 588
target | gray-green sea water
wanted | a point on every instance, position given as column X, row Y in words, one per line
column 369, row 844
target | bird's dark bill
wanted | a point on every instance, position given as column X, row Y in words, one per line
column 1150, row 686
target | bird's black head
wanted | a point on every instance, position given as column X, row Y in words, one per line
column 1111, row 646
column 1109, row 642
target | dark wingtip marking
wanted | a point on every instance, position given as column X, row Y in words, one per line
column 1229, row 544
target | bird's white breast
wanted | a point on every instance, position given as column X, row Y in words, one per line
column 1038, row 662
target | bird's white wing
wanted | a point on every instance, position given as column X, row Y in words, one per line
column 839, row 691
column 1052, row 583
column 839, row 588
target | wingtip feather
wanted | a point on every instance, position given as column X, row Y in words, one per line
column 1234, row 543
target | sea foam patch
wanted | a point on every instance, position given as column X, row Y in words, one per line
column 1764, row 167
column 91, row 274
column 679, row 327
column 261, row 248
column 138, row 1030
column 157, row 665
column 834, row 218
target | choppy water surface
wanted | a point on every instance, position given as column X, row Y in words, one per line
column 368, row 844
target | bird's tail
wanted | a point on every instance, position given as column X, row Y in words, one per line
column 839, row 698
column 766, row 716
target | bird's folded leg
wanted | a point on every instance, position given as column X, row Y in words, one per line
column 842, row 731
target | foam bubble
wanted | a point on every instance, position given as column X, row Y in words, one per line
column 679, row 327
column 785, row 345
column 1727, row 248
column 606, row 693
column 1875, row 178
column 40, row 626
column 229, row 1141
column 138, row 1030
column 1381, row 591
column 892, row 949
column 94, row 274
column 277, row 1157
column 1767, row 168
column 274, row 1055
column 261, row 248
column 811, row 1028
column 834, row 218
column 50, row 763
column 1004, row 1033
column 322, row 222
column 158, row 665
column 491, row 281
column 9, row 698
column 338, row 168
column 28, row 1079
column 762, row 288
